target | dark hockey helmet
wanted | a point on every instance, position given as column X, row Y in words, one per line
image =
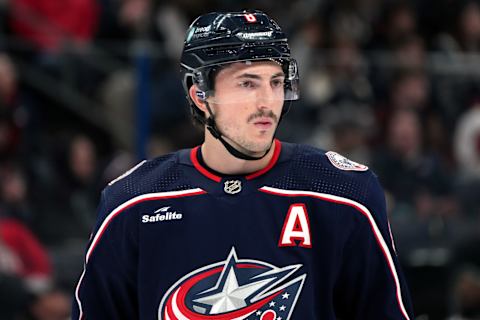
column 216, row 39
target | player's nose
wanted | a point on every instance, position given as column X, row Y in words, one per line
column 266, row 97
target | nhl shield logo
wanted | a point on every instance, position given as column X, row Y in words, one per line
column 232, row 186
column 234, row 289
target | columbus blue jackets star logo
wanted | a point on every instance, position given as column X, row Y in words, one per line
column 234, row 289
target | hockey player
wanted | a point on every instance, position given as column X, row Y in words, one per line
column 243, row 226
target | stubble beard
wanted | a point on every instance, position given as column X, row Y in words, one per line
column 256, row 145
column 253, row 146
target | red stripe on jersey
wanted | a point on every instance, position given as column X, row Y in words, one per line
column 198, row 166
column 277, row 145
column 276, row 154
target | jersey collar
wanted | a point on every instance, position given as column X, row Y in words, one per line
column 217, row 178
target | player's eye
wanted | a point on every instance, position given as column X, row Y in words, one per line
column 247, row 84
column 276, row 83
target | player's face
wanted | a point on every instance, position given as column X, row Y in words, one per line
column 248, row 103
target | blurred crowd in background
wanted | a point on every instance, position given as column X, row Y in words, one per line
column 392, row 84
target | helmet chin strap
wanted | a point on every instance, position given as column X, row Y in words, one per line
column 212, row 127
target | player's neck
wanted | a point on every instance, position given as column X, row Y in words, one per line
column 219, row 159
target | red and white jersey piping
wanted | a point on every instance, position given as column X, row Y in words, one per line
column 361, row 209
column 115, row 213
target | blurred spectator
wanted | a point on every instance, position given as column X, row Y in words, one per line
column 81, row 182
column 410, row 90
column 13, row 194
column 109, row 26
column 66, row 210
column 54, row 305
column 465, row 34
column 120, row 22
column 12, row 114
column 405, row 64
column 308, row 46
column 349, row 94
column 467, row 154
column 134, row 13
column 347, row 70
column 24, row 268
column 415, row 179
column 82, row 161
column 466, row 295
column 21, row 126
column 71, row 201
column 467, row 144
column 399, row 20
column 409, row 52
column 52, row 25
column 345, row 21
column 171, row 24
column 24, row 256
column 458, row 45
column 26, row 277
column 368, row 10
column 8, row 80
column 469, row 27
column 57, row 36
column 117, row 95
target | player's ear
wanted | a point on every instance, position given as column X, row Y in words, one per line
column 198, row 97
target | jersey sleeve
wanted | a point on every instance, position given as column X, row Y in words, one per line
column 107, row 286
column 370, row 283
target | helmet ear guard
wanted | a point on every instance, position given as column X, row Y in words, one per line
column 197, row 114
column 201, row 83
column 201, row 94
column 200, row 79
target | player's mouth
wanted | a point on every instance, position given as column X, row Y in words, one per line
column 263, row 123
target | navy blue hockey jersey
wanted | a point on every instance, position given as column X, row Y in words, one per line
column 307, row 237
